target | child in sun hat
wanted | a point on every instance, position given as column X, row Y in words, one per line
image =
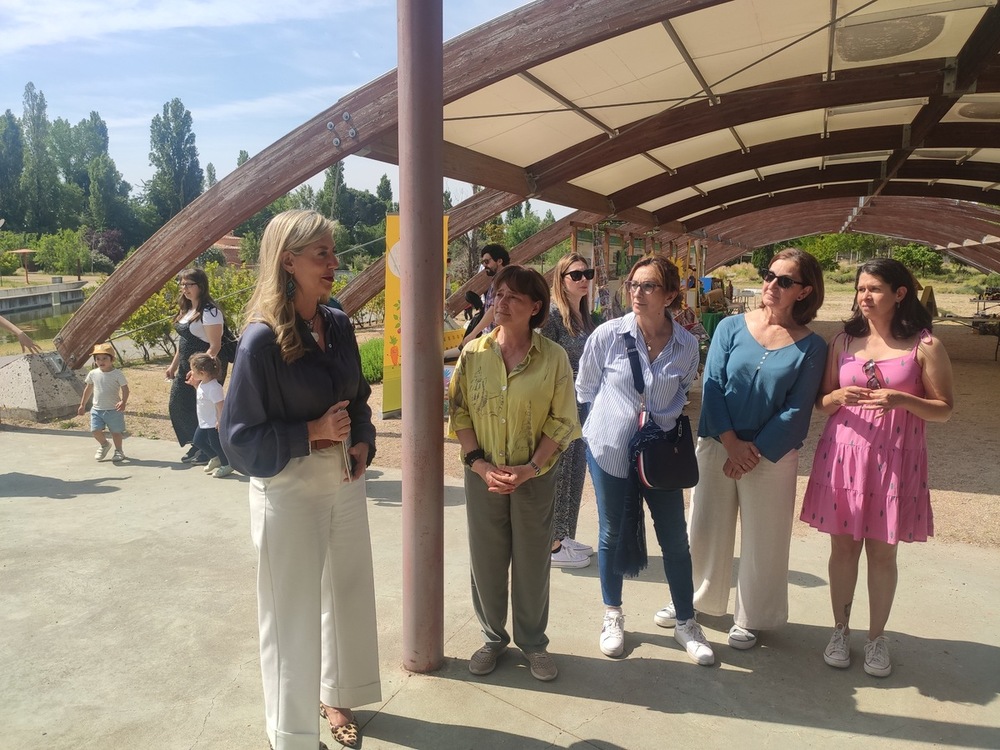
column 110, row 390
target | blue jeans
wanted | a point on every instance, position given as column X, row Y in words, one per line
column 666, row 508
column 206, row 439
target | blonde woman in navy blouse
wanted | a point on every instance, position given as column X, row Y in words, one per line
column 296, row 401
column 761, row 378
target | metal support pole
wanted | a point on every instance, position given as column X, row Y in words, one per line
column 421, row 134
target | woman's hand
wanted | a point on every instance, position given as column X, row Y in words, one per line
column 27, row 345
column 171, row 371
column 359, row 454
column 509, row 478
column 730, row 470
column 335, row 425
column 743, row 454
column 852, row 395
column 883, row 399
column 497, row 480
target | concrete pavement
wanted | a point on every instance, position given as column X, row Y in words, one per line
column 128, row 621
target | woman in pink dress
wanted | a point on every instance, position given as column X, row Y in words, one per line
column 886, row 376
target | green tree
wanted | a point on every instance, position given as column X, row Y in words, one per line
column 107, row 204
column 761, row 256
column 384, row 191
column 520, row 229
column 250, row 248
column 178, row 178
column 210, row 178
column 328, row 197
column 62, row 252
column 40, row 177
column 919, row 258
column 242, row 158
column 74, row 147
column 9, row 262
column 11, row 167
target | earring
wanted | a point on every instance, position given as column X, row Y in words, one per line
column 290, row 288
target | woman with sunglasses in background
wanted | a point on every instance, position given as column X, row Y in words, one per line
column 199, row 324
column 763, row 371
column 886, row 375
column 569, row 324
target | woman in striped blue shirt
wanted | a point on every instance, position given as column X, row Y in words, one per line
column 668, row 357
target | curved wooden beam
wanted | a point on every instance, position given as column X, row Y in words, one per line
column 767, row 155
column 861, row 172
column 790, row 96
column 934, row 221
column 709, row 219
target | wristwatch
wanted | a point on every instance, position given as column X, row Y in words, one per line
column 472, row 456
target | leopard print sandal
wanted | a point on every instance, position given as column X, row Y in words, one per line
column 346, row 734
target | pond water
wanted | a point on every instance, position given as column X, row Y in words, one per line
column 41, row 324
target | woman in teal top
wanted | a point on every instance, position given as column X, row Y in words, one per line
column 761, row 378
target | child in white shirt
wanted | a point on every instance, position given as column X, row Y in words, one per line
column 205, row 372
column 110, row 390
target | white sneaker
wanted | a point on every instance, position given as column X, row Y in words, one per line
column 877, row 661
column 118, row 457
column 613, row 634
column 222, row 471
column 212, row 465
column 838, row 650
column 568, row 558
column 583, row 549
column 102, row 451
column 666, row 617
column 689, row 635
column 742, row 639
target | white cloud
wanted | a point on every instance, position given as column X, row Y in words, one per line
column 49, row 22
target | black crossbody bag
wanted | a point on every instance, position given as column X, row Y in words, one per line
column 662, row 460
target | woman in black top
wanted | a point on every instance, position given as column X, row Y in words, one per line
column 297, row 420
column 199, row 325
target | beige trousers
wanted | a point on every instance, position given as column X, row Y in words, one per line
column 315, row 596
column 764, row 500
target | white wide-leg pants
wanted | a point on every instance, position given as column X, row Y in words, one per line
column 764, row 499
column 315, row 596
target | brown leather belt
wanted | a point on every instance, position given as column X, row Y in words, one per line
column 318, row 445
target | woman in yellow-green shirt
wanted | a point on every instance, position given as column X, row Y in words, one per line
column 513, row 409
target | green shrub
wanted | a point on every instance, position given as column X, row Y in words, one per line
column 371, row 360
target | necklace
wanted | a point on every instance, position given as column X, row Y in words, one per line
column 653, row 342
column 312, row 326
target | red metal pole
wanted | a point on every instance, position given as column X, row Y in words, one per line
column 422, row 310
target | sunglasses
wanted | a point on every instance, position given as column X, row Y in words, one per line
column 587, row 273
column 186, row 284
column 785, row 282
column 874, row 376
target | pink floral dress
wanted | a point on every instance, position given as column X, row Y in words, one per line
column 869, row 474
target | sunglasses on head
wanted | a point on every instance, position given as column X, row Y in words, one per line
column 587, row 273
column 785, row 282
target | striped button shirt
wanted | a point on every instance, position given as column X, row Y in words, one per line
column 605, row 382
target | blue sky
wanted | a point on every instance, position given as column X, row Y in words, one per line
column 249, row 71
